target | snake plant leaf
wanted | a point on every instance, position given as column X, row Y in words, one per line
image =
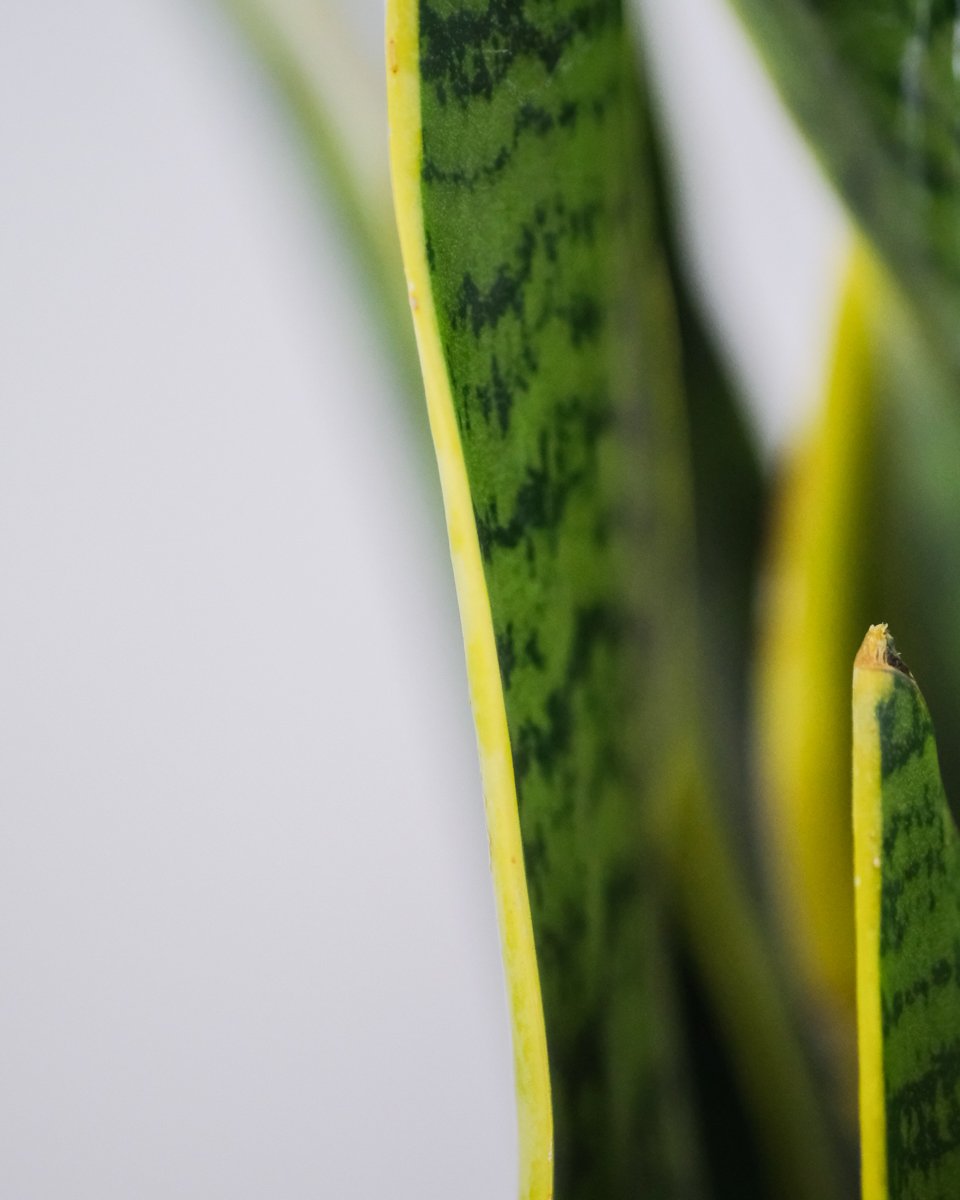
column 552, row 384
column 763, row 1127
column 907, row 878
column 883, row 458
column 875, row 88
column 804, row 723
column 548, row 344
column 729, row 495
column 916, row 504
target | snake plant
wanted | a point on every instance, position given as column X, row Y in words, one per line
column 729, row 972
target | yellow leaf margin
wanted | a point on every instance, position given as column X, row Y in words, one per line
column 872, row 683
column 532, row 1077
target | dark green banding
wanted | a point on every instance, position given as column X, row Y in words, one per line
column 919, row 955
column 556, row 323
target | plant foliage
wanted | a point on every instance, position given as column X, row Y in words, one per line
column 658, row 631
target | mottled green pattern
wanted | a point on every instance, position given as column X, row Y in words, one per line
column 556, row 325
column 919, row 955
column 876, row 88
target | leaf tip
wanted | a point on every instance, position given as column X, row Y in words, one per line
column 879, row 653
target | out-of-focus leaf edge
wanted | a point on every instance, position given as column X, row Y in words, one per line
column 730, row 951
column 729, row 946
column 803, row 715
column 363, row 212
column 830, row 114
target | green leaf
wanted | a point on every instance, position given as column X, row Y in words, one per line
column 875, row 88
column 730, row 492
column 867, row 523
column 907, row 864
column 761, row 1123
column 815, row 593
column 917, row 501
column 548, row 342
column 544, row 323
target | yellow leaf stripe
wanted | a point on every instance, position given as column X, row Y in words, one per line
column 811, row 599
column 500, row 797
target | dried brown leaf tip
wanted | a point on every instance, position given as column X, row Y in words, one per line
column 878, row 652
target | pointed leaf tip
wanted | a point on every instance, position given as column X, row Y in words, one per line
column 879, row 653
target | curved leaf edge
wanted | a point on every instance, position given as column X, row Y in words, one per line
column 532, row 1077
column 907, row 886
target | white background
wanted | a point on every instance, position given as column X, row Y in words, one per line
column 247, row 945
